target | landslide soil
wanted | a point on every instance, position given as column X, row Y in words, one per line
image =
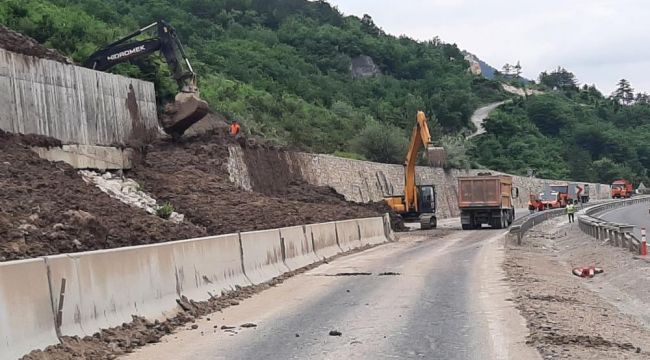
column 193, row 176
column 48, row 209
column 19, row 43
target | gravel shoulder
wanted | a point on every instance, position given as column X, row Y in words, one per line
column 572, row 317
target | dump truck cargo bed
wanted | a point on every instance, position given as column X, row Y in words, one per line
column 485, row 191
column 486, row 200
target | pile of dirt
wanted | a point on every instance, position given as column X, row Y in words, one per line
column 193, row 176
column 22, row 44
column 48, row 209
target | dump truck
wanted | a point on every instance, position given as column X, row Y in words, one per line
column 622, row 189
column 487, row 200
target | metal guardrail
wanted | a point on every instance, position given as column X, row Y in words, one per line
column 616, row 234
column 522, row 225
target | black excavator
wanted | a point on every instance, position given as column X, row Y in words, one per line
column 188, row 108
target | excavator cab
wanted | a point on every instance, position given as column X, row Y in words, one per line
column 187, row 107
column 427, row 198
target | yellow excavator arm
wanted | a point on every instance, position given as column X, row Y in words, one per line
column 420, row 137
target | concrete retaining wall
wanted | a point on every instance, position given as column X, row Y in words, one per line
column 73, row 104
column 298, row 248
column 26, row 317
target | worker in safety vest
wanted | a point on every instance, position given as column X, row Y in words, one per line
column 235, row 129
column 571, row 210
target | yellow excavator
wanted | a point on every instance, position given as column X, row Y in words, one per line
column 187, row 107
column 419, row 201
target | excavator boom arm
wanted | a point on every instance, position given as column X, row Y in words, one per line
column 420, row 137
column 167, row 43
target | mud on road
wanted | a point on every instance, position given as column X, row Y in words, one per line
column 568, row 316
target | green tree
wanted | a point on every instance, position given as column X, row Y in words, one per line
column 381, row 143
column 624, row 94
column 559, row 78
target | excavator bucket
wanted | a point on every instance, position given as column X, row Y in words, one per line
column 437, row 156
column 186, row 110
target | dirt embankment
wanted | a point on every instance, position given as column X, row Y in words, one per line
column 568, row 316
column 193, row 176
column 22, row 44
column 47, row 208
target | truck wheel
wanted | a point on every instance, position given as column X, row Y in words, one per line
column 467, row 226
column 497, row 223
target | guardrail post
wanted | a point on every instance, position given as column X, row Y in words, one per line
column 643, row 247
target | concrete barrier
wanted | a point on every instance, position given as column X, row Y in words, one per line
column 324, row 239
column 26, row 317
column 262, row 255
column 298, row 247
column 372, row 231
column 348, row 235
column 104, row 288
column 208, row 266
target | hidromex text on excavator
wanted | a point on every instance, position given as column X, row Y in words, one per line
column 188, row 108
column 419, row 201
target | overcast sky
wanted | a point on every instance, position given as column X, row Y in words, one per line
column 600, row 41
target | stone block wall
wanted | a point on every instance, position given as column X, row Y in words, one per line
column 364, row 181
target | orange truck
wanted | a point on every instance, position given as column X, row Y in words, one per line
column 486, row 200
column 622, row 189
column 535, row 203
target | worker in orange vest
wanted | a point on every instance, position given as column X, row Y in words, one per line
column 235, row 129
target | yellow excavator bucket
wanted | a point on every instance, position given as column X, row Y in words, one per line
column 184, row 112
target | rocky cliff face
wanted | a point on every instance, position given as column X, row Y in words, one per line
column 363, row 66
column 474, row 64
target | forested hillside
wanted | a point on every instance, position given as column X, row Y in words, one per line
column 571, row 132
column 282, row 67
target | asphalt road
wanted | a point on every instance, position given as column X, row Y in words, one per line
column 448, row 301
column 634, row 215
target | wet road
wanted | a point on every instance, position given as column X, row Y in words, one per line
column 448, row 301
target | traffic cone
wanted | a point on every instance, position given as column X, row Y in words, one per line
column 644, row 245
